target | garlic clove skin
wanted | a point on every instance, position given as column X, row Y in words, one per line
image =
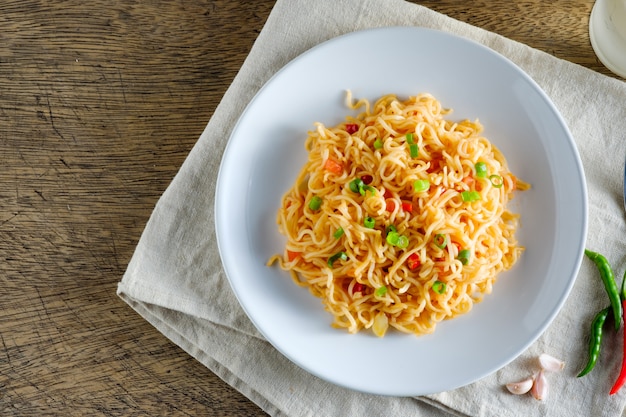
column 550, row 363
column 539, row 391
column 521, row 387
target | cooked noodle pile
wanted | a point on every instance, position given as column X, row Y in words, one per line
column 399, row 217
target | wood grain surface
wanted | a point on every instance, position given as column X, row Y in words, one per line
column 100, row 103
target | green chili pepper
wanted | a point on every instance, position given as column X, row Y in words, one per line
column 595, row 340
column 608, row 278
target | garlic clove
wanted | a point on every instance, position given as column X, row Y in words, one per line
column 521, row 387
column 540, row 387
column 550, row 363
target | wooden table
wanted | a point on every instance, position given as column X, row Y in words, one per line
column 100, row 103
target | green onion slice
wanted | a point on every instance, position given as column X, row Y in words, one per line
column 469, row 196
column 380, row 291
column 439, row 287
column 390, row 228
column 356, row 185
column 365, row 188
column 403, row 242
column 338, row 233
column 496, row 180
column 413, row 150
column 409, row 138
column 369, row 222
column 464, row 256
column 421, row 185
column 392, row 238
column 338, row 256
column 378, row 144
column 481, row 169
column 315, row 203
column 440, row 240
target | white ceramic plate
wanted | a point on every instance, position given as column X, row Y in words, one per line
column 266, row 152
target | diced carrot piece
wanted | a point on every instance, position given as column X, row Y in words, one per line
column 333, row 166
column 513, row 182
column 291, row 255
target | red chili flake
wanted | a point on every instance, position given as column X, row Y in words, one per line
column 367, row 179
column 351, row 128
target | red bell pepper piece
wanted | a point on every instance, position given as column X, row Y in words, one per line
column 413, row 261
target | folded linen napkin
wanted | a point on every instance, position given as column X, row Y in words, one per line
column 175, row 279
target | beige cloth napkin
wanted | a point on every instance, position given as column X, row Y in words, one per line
column 175, row 279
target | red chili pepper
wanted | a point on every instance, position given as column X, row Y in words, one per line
column 621, row 379
column 407, row 206
column 413, row 261
column 351, row 128
column 291, row 255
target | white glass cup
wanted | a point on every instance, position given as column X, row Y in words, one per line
column 607, row 32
